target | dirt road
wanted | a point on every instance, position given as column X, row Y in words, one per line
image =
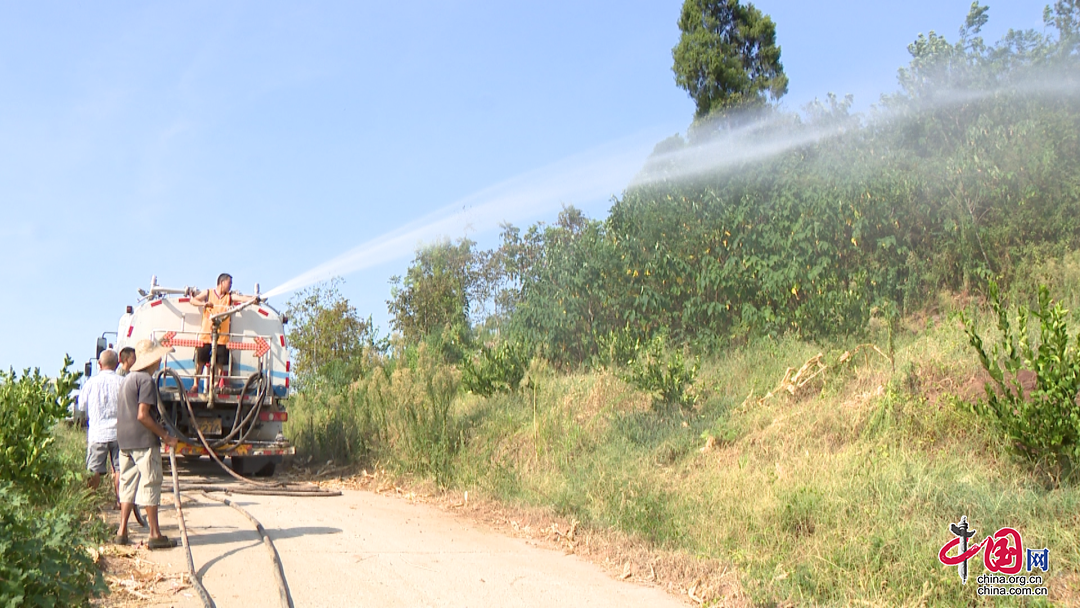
column 365, row 549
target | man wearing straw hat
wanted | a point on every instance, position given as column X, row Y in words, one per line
column 139, row 435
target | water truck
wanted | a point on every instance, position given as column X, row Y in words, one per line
column 236, row 411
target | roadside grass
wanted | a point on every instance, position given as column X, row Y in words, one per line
column 70, row 447
column 840, row 493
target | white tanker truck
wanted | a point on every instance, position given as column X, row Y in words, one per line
column 239, row 413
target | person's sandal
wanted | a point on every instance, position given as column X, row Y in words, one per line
column 161, row 542
column 121, row 540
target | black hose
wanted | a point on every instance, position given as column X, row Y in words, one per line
column 247, row 425
column 279, row 570
column 204, row 595
column 313, row 491
column 266, row 489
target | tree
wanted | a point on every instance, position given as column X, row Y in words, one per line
column 727, row 56
column 329, row 339
column 567, row 293
column 436, row 291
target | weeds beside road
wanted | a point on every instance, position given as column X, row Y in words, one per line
column 840, row 493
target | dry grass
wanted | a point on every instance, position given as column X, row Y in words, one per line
column 136, row 581
column 820, row 479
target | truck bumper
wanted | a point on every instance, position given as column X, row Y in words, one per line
column 244, row 449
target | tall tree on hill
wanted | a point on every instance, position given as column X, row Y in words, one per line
column 727, row 56
column 436, row 292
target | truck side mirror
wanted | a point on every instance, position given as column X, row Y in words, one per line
column 89, row 369
column 102, row 344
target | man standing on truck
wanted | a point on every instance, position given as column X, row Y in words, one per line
column 216, row 301
column 139, row 435
column 99, row 397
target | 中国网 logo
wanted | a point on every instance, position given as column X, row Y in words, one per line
column 1004, row 557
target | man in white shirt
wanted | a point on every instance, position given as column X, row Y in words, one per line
column 99, row 397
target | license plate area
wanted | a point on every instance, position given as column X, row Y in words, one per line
column 208, row 425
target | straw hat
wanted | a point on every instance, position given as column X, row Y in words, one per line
column 148, row 353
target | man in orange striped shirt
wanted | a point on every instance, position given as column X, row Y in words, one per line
column 216, row 301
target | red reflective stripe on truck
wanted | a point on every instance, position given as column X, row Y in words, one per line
column 274, row 416
column 288, row 366
column 130, row 328
column 286, row 382
column 156, row 303
column 282, row 340
column 264, row 313
column 184, row 300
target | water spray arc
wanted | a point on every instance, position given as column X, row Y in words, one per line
column 607, row 170
column 593, row 175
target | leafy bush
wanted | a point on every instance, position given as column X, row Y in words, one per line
column 495, row 369
column 30, row 405
column 1042, row 421
column 663, row 372
column 43, row 560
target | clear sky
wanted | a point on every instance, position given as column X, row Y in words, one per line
column 264, row 138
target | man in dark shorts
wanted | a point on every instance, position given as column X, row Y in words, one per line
column 215, row 301
column 139, row 436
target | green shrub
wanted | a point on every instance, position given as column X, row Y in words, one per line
column 1043, row 424
column 495, row 369
column 343, row 424
column 663, row 372
column 43, row 531
column 43, row 555
column 30, row 405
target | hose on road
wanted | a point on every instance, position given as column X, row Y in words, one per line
column 279, row 570
column 204, row 595
column 260, row 488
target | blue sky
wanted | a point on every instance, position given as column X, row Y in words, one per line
column 265, row 138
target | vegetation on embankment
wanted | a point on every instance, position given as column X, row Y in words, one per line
column 838, row 494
